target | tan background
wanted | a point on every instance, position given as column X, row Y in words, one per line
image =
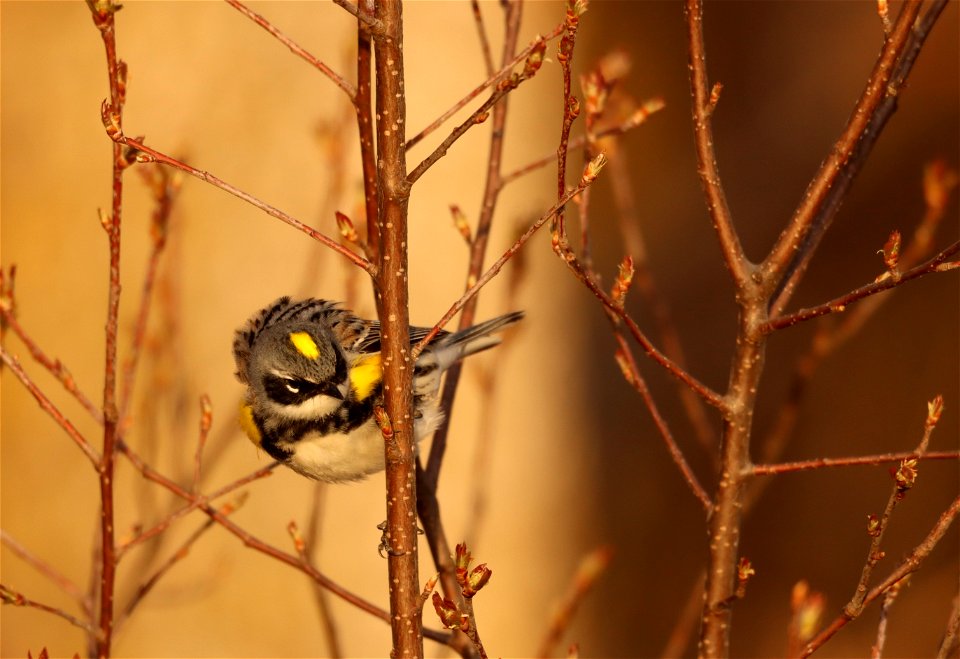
column 576, row 461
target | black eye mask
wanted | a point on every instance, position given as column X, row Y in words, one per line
column 293, row 391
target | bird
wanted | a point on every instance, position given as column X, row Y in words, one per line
column 313, row 377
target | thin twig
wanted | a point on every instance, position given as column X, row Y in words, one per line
column 938, row 263
column 311, row 542
column 837, row 190
column 841, row 157
column 951, row 635
column 492, row 271
column 55, row 366
column 157, row 156
column 482, row 35
column 478, row 252
column 370, row 23
column 51, row 409
column 876, row 652
column 703, row 106
column 61, row 580
column 478, row 116
column 10, row 596
column 476, row 91
column 164, row 186
column 909, row 565
column 296, row 49
column 196, row 502
column 860, row 460
column 637, row 118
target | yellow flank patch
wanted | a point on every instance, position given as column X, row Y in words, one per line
column 305, row 344
column 365, row 374
column 249, row 425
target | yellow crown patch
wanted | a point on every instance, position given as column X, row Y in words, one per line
column 305, row 344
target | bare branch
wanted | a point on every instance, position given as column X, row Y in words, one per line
column 703, row 105
column 296, row 49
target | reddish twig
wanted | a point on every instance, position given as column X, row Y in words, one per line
column 10, row 596
column 392, row 299
column 841, row 156
column 164, row 186
column 482, row 35
column 196, row 502
column 951, row 635
column 51, row 409
column 888, row 598
column 478, row 251
column 938, row 263
column 838, row 189
column 504, row 87
column 704, row 103
column 492, row 271
column 55, row 366
column 637, row 118
column 364, row 109
column 103, row 12
column 296, row 49
column 153, row 155
column 61, row 580
column 370, row 23
column 310, row 542
column 644, row 283
column 860, row 460
column 537, row 43
column 876, row 527
column 909, row 565
column 206, row 421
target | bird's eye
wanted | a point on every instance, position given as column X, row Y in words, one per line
column 291, row 387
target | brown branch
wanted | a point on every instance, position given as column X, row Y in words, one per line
column 165, row 187
column 876, row 527
column 482, row 35
column 55, row 366
column 249, row 540
column 703, row 105
column 296, row 49
column 370, row 23
column 637, row 118
column 478, row 251
column 61, row 580
column 504, row 87
column 660, row 311
column 860, row 460
column 938, row 263
column 51, row 409
column 392, row 300
column 838, row 189
column 492, row 271
column 311, row 541
column 10, row 596
column 152, row 155
column 951, row 635
column 909, row 565
column 196, row 502
column 103, row 12
column 364, row 109
column 841, row 157
column 537, row 43
column 631, row 373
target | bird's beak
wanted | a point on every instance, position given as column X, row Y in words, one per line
column 330, row 389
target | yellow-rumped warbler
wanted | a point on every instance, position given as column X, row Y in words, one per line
column 313, row 377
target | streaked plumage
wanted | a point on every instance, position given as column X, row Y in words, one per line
column 313, row 377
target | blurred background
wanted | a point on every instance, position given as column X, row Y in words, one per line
column 574, row 462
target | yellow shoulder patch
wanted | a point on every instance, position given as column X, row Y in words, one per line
column 365, row 374
column 305, row 344
column 249, row 425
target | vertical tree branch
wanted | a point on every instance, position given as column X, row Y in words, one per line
column 363, row 102
column 103, row 17
column 704, row 102
column 393, row 309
